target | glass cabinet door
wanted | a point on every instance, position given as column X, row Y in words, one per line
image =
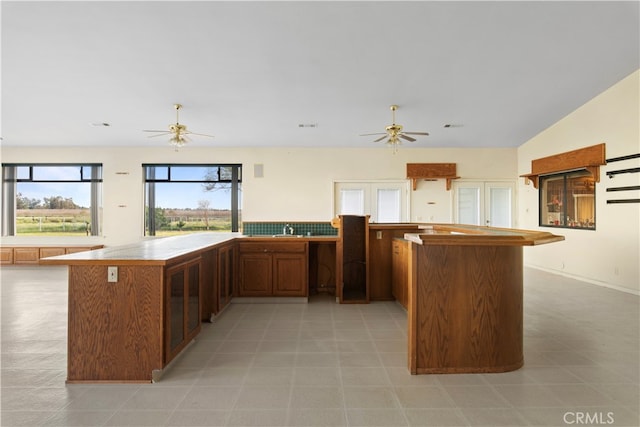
column 182, row 306
column 193, row 316
column 176, row 308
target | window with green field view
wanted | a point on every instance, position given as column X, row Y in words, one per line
column 188, row 198
column 51, row 199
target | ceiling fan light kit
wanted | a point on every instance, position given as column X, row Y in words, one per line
column 394, row 133
column 177, row 131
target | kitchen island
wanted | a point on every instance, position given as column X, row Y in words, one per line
column 465, row 298
column 134, row 308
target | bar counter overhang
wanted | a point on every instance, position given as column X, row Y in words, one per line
column 465, row 312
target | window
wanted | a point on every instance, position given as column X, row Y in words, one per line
column 51, row 199
column 567, row 200
column 191, row 198
column 384, row 201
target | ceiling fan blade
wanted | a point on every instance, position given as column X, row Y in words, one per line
column 416, row 133
column 377, row 133
column 199, row 134
column 380, row 139
column 160, row 134
column 164, row 131
column 408, row 138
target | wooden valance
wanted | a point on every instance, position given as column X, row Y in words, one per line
column 431, row 171
column 589, row 158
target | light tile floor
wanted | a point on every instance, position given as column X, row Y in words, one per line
column 325, row 364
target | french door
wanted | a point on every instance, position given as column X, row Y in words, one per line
column 489, row 203
column 384, row 201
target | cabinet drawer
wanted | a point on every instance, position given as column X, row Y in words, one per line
column 46, row 252
column 289, row 247
column 6, row 255
column 76, row 250
column 26, row 255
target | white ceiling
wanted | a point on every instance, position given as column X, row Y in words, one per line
column 251, row 72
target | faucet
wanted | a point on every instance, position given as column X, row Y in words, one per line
column 288, row 229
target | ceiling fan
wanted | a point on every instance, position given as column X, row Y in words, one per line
column 394, row 133
column 177, row 131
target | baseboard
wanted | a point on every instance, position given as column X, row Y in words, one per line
column 586, row 279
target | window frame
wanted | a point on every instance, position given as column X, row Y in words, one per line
column 10, row 181
column 149, row 190
column 564, row 215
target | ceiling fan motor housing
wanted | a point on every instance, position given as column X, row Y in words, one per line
column 394, row 129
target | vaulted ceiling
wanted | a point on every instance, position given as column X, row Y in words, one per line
column 310, row 73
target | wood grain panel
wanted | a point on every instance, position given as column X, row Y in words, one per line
column 468, row 309
column 45, row 252
column 6, row 255
column 209, row 291
column 256, row 273
column 290, row 275
column 582, row 157
column 26, row 255
column 115, row 329
column 380, row 265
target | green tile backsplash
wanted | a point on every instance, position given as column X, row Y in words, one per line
column 271, row 228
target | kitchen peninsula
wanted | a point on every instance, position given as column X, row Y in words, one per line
column 134, row 308
column 465, row 303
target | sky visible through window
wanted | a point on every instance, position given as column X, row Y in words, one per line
column 174, row 195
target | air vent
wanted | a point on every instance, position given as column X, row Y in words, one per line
column 308, row 125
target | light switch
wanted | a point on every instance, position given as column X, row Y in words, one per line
column 112, row 273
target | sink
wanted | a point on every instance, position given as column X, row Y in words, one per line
column 287, row 235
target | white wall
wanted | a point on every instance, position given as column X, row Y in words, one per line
column 297, row 183
column 609, row 255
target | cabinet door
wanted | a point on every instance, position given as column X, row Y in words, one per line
column 399, row 272
column 225, row 275
column 209, row 285
column 26, row 255
column 47, row 252
column 255, row 274
column 6, row 255
column 290, row 275
column 193, row 299
column 175, row 310
column 182, row 306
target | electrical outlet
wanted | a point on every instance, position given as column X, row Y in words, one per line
column 112, row 274
column 378, row 235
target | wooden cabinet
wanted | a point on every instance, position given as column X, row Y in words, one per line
column 399, row 271
column 115, row 328
column 209, row 285
column 26, row 255
column 353, row 251
column 322, row 267
column 290, row 274
column 182, row 306
column 47, row 252
column 76, row 249
column 226, row 274
column 256, row 274
column 31, row 255
column 273, row 269
column 381, row 237
column 6, row 256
